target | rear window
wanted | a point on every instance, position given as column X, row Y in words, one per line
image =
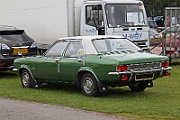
column 114, row 45
column 17, row 38
column 14, row 38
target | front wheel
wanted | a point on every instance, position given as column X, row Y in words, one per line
column 138, row 87
column 26, row 79
column 89, row 85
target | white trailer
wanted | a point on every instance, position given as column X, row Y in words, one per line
column 48, row 20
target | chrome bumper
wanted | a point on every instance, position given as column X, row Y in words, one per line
column 14, row 69
column 130, row 72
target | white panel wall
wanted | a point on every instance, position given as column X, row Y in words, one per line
column 44, row 20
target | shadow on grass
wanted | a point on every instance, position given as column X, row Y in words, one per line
column 57, row 87
column 112, row 92
column 123, row 92
column 7, row 74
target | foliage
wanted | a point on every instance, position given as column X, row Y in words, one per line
column 159, row 6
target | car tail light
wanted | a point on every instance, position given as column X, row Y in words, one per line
column 165, row 64
column 124, row 78
column 33, row 45
column 121, row 68
column 167, row 74
column 2, row 63
column 4, row 46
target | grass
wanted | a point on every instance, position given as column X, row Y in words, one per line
column 158, row 103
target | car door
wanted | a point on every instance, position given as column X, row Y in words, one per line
column 72, row 61
column 48, row 64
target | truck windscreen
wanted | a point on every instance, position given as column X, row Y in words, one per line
column 124, row 15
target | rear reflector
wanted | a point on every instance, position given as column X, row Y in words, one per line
column 167, row 74
column 124, row 78
column 2, row 63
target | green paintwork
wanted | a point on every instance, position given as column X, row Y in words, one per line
column 66, row 69
column 136, row 57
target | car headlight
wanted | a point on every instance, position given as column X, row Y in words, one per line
column 33, row 45
column 4, row 47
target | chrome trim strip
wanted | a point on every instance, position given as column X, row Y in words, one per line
column 167, row 68
column 20, row 47
column 14, row 69
column 119, row 73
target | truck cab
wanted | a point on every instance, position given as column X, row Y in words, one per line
column 116, row 17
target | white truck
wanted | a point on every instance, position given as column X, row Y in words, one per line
column 48, row 20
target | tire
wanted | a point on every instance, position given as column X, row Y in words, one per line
column 89, row 85
column 139, row 87
column 26, row 79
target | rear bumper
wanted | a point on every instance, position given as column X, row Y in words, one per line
column 6, row 63
column 142, row 75
column 138, row 72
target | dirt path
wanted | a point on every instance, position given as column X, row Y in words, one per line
column 22, row 110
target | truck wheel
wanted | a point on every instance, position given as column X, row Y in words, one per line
column 89, row 85
column 138, row 87
column 26, row 79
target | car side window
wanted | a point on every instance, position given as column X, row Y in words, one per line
column 75, row 49
column 57, row 49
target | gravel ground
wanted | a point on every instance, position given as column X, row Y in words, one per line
column 22, row 110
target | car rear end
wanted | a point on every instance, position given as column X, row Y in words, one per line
column 143, row 68
column 14, row 44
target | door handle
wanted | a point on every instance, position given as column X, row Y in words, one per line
column 79, row 59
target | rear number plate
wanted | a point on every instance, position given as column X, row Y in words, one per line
column 20, row 51
column 144, row 76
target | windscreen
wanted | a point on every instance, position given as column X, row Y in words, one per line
column 124, row 14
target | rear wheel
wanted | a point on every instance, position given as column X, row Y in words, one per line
column 26, row 79
column 89, row 85
column 138, row 87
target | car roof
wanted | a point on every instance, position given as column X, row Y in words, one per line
column 9, row 30
column 7, row 27
column 87, row 41
column 115, row 1
column 92, row 37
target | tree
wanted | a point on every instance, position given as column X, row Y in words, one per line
column 157, row 7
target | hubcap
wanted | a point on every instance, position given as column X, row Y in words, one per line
column 25, row 78
column 88, row 85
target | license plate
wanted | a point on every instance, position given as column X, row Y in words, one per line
column 20, row 51
column 144, row 76
column 155, row 40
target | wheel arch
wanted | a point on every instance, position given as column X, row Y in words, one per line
column 102, row 87
column 24, row 67
column 82, row 72
column 35, row 83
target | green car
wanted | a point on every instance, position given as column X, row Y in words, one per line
column 94, row 63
